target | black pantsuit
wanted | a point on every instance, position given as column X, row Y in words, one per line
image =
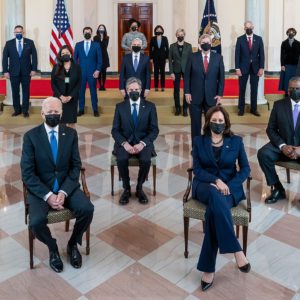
column 159, row 69
column 177, row 91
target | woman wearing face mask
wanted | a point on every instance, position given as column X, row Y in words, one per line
column 178, row 56
column 103, row 39
column 133, row 33
column 65, row 83
column 289, row 55
column 219, row 184
column 159, row 53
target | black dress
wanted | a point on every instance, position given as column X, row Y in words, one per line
column 67, row 84
column 103, row 44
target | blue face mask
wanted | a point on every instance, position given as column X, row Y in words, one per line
column 19, row 36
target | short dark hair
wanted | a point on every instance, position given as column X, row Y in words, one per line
column 19, row 26
column 87, row 28
column 208, row 115
column 159, row 26
column 291, row 29
column 293, row 79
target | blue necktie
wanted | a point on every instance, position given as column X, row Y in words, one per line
column 86, row 48
column 135, row 63
column 20, row 49
column 295, row 114
column 53, row 143
column 134, row 114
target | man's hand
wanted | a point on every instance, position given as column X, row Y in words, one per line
column 6, row 75
column 63, row 99
column 238, row 72
column 146, row 93
column 222, row 187
column 296, row 153
column 129, row 148
column 60, row 200
column 218, row 98
column 188, row 98
column 283, row 68
column 287, row 151
column 173, row 76
column 32, row 73
column 123, row 93
column 260, row 72
column 138, row 148
column 52, row 201
column 96, row 74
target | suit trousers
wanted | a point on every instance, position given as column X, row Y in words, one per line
column 219, row 231
column 77, row 202
column 102, row 78
column 15, row 82
column 253, row 90
column 159, row 68
column 93, row 91
column 177, row 91
column 144, row 165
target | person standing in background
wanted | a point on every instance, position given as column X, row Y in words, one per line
column 103, row 39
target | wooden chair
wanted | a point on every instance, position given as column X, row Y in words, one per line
column 288, row 165
column 56, row 216
column 133, row 162
column 241, row 214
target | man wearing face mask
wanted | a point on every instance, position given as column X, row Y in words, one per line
column 249, row 61
column 178, row 56
column 134, row 130
column 135, row 64
column 50, row 166
column 19, row 64
column 284, row 133
column 88, row 55
column 203, row 82
column 289, row 55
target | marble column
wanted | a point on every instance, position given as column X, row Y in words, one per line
column 255, row 12
column 14, row 15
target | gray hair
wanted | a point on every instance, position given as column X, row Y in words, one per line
column 204, row 36
column 294, row 79
column 132, row 80
column 250, row 22
column 137, row 39
column 49, row 100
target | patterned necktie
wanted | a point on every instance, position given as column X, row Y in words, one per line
column 205, row 63
column 20, row 49
column 134, row 114
column 135, row 63
column 295, row 114
column 86, row 48
column 249, row 43
column 54, row 149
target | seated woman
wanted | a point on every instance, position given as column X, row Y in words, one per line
column 219, row 185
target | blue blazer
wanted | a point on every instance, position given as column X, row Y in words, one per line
column 244, row 57
column 142, row 72
column 15, row 65
column 207, row 170
column 90, row 63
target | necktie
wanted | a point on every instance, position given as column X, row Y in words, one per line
column 20, row 49
column 134, row 114
column 135, row 63
column 205, row 63
column 295, row 114
column 249, row 43
column 53, row 143
column 86, row 48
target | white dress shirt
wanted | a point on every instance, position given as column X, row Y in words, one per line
column 208, row 56
column 22, row 43
column 136, row 55
column 137, row 105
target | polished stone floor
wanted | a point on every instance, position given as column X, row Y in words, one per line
column 137, row 250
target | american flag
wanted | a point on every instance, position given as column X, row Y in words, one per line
column 61, row 31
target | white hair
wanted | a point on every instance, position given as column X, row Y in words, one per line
column 50, row 100
column 250, row 22
column 137, row 39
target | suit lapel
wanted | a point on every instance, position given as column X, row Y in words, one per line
column 200, row 59
column 140, row 63
column 142, row 109
column 211, row 62
column 226, row 147
column 289, row 113
column 128, row 113
column 209, row 149
column 61, row 137
column 45, row 141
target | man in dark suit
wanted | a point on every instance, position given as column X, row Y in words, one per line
column 19, row 64
column 136, row 64
column 50, row 166
column 203, row 82
column 88, row 55
column 284, row 133
column 134, row 130
column 249, row 60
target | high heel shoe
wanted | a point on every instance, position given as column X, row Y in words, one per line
column 206, row 285
column 245, row 268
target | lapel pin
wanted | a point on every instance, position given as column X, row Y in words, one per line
column 227, row 146
column 63, row 133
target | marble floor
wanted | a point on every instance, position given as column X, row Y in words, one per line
column 137, row 250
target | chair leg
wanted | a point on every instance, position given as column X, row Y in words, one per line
column 186, row 222
column 154, row 179
column 112, row 175
column 67, row 225
column 237, row 231
column 245, row 239
column 88, row 241
column 203, row 226
column 31, row 237
column 288, row 175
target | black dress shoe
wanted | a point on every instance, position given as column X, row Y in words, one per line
column 26, row 115
column 275, row 196
column 240, row 113
column 80, row 113
column 96, row 114
column 102, row 88
column 162, row 89
column 205, row 285
column 246, row 268
column 177, row 111
column 184, row 113
column 143, row 199
column 15, row 113
column 124, row 199
column 55, row 262
column 255, row 113
column 74, row 256
column 156, row 89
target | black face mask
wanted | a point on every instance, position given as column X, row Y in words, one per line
column 295, row 94
column 205, row 46
column 66, row 58
column 217, row 128
column 134, row 95
column 101, row 31
column 291, row 35
column 87, row 36
column 158, row 33
column 136, row 49
column 249, row 31
column 180, row 38
column 133, row 28
column 52, row 120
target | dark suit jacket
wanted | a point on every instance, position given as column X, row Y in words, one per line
column 38, row 168
column 159, row 54
column 103, row 45
column 177, row 63
column 204, row 86
column 58, row 82
column 142, row 72
column 289, row 55
column 15, row 65
column 207, row 170
column 90, row 63
column 244, row 58
column 123, row 128
column 280, row 128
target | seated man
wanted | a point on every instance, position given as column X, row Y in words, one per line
column 50, row 166
column 134, row 130
column 284, row 133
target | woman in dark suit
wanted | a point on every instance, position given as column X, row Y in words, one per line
column 159, row 53
column 65, row 83
column 219, row 185
column 103, row 39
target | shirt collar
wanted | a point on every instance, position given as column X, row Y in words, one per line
column 137, row 102
column 203, row 54
column 136, row 55
column 249, row 36
column 293, row 102
column 49, row 129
